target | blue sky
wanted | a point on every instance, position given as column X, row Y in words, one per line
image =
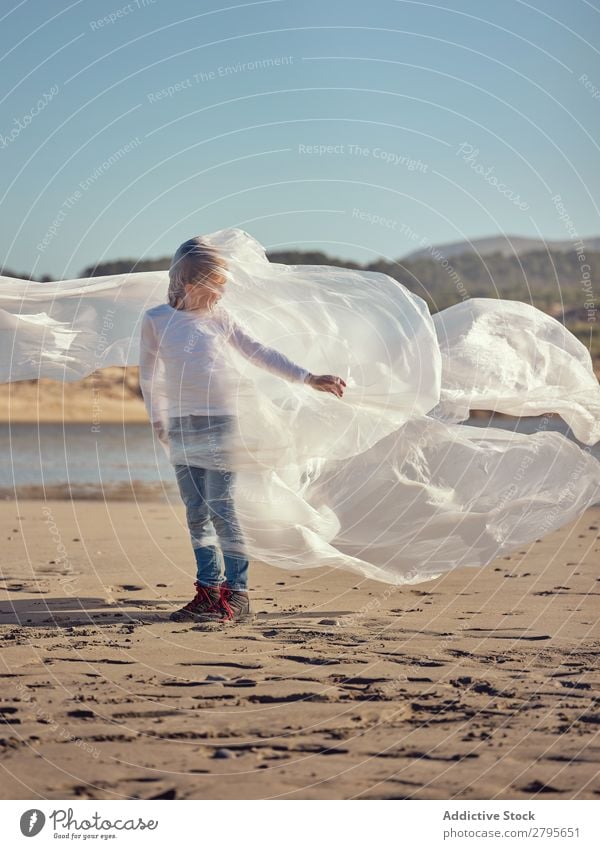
column 356, row 128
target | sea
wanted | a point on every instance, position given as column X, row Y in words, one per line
column 123, row 461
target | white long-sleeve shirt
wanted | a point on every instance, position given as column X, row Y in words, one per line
column 184, row 363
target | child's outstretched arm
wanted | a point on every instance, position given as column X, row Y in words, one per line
column 277, row 363
column 263, row 356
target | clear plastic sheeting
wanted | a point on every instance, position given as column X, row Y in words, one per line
column 510, row 357
column 385, row 481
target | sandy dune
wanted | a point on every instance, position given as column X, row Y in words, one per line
column 482, row 684
column 107, row 395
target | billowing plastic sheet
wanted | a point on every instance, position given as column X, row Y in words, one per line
column 386, row 481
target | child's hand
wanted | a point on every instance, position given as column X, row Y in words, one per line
column 327, row 383
column 159, row 431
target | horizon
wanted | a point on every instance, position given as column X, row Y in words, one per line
column 410, row 256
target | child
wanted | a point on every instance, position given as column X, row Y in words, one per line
column 188, row 330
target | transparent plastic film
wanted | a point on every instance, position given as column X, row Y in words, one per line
column 385, row 482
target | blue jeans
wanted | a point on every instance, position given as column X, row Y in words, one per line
column 210, row 511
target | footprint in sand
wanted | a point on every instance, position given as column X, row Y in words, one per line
column 536, row 786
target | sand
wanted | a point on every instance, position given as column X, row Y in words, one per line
column 478, row 685
column 107, row 395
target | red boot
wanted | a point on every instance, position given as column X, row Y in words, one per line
column 206, row 601
column 234, row 607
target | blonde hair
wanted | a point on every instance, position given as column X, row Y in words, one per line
column 192, row 262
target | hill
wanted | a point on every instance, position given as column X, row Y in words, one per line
column 506, row 245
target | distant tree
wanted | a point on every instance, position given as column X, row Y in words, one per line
column 126, row 266
column 310, row 258
column 24, row 275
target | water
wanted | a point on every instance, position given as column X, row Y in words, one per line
column 123, row 461
column 46, row 460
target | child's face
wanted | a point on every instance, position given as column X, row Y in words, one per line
column 209, row 290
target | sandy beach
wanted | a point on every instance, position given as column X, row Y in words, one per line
column 478, row 685
column 107, row 395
